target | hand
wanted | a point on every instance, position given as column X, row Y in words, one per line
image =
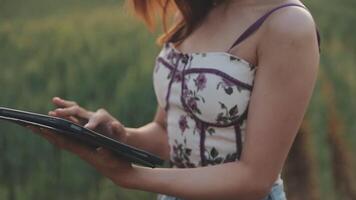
column 100, row 121
column 104, row 161
column 70, row 110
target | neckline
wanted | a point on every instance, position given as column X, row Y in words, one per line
column 237, row 58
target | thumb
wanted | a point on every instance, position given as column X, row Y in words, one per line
column 118, row 130
column 93, row 122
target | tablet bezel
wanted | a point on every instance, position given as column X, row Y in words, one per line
column 87, row 136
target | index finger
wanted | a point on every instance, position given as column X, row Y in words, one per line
column 61, row 103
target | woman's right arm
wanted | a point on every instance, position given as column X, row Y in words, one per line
column 152, row 137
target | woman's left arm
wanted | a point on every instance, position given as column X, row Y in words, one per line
column 285, row 78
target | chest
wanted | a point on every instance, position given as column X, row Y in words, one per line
column 213, row 87
column 220, row 29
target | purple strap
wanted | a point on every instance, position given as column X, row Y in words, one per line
column 255, row 26
column 238, row 134
column 238, row 141
column 169, row 87
column 175, row 70
column 202, row 128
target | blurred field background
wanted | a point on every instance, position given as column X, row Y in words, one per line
column 95, row 53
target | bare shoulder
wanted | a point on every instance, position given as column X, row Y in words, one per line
column 292, row 24
column 289, row 39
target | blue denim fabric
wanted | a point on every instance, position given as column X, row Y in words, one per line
column 277, row 193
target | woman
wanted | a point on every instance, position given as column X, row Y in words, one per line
column 220, row 61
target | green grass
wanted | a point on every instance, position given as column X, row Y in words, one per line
column 98, row 57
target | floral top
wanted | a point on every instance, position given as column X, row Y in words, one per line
column 206, row 97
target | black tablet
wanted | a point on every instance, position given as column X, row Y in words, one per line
column 89, row 137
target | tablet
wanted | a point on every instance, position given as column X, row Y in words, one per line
column 84, row 135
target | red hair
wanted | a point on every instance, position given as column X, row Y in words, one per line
column 192, row 12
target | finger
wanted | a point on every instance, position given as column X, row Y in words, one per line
column 68, row 144
column 33, row 129
column 61, row 103
column 72, row 111
column 73, row 119
column 83, row 151
column 52, row 138
column 105, row 158
column 103, row 153
column 118, row 130
column 52, row 113
column 110, row 163
column 49, row 135
column 39, row 130
column 70, row 118
column 95, row 120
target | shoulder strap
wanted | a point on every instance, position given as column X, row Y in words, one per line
column 319, row 39
column 255, row 26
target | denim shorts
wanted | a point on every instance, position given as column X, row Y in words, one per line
column 276, row 193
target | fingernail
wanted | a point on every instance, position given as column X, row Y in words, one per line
column 90, row 125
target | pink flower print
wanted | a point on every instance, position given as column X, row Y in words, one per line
column 183, row 123
column 192, row 104
column 178, row 76
column 200, row 82
column 185, row 91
